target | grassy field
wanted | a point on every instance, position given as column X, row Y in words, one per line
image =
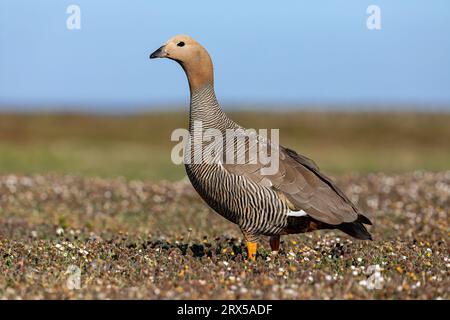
column 85, row 193
column 137, row 240
column 138, row 147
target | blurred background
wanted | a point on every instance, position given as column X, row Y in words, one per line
column 88, row 100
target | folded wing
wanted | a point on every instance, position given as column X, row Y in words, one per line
column 302, row 186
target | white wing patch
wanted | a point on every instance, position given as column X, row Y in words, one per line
column 300, row 213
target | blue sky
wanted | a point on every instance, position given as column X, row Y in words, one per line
column 266, row 53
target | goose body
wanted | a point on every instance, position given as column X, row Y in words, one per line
column 255, row 209
column 297, row 198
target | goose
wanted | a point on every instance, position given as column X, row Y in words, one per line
column 297, row 198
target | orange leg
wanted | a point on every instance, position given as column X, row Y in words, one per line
column 251, row 249
column 274, row 244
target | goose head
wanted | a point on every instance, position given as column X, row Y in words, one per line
column 192, row 57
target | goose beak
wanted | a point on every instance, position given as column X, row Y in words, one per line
column 159, row 53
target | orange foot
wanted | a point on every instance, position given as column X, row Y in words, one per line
column 251, row 249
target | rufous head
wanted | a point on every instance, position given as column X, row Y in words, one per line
column 194, row 59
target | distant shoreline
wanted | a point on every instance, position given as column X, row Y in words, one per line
column 235, row 107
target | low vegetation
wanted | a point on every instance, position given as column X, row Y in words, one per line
column 138, row 147
column 92, row 207
column 135, row 239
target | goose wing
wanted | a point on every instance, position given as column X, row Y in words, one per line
column 299, row 182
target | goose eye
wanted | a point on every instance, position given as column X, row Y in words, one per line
column 180, row 44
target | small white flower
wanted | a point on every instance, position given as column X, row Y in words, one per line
column 376, row 280
column 243, row 290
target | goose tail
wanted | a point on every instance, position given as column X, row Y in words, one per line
column 356, row 228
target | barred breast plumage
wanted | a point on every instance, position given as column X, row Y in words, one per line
column 255, row 208
column 296, row 198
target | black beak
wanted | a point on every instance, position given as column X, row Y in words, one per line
column 159, row 53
